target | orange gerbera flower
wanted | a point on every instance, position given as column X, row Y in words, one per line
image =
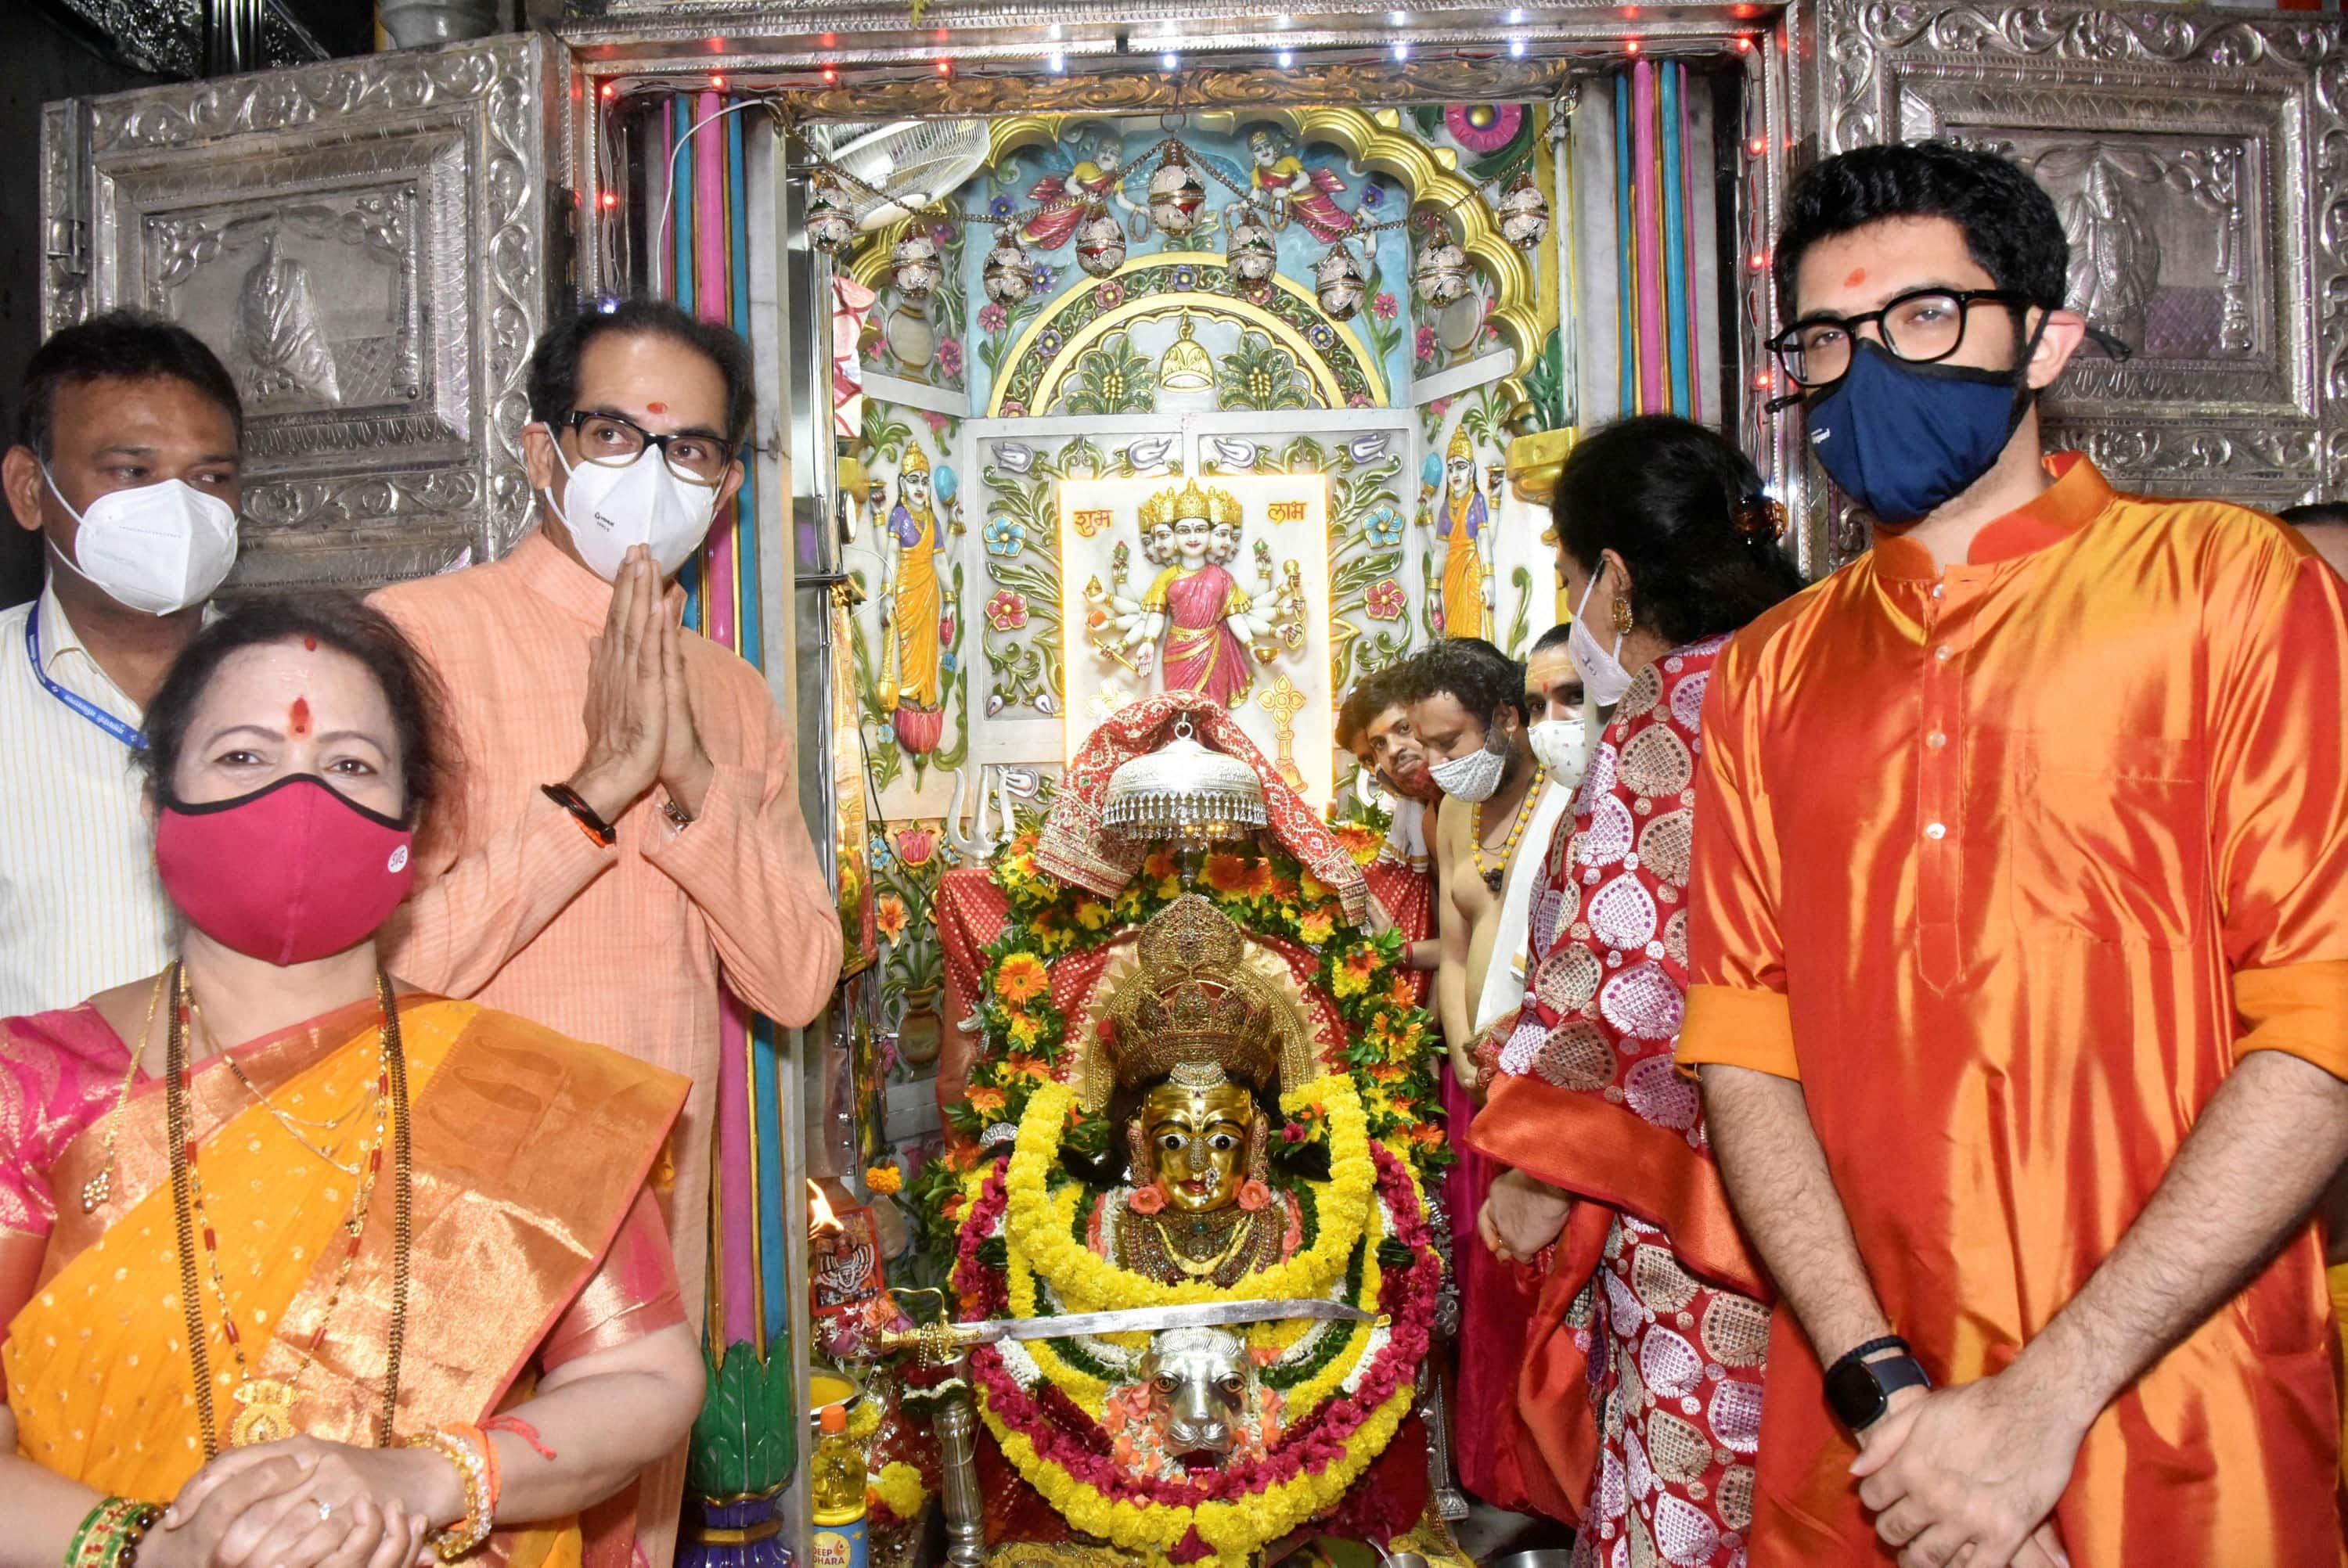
column 1022, row 978
column 985, row 1102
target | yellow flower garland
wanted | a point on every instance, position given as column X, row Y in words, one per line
column 1091, row 1393
column 1085, row 1282
column 1233, row 1529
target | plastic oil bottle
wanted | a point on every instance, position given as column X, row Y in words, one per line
column 836, row 1486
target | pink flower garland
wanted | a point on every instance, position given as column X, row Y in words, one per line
column 1315, row 1443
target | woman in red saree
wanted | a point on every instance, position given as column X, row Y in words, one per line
column 384, row 1276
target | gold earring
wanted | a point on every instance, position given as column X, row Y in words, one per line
column 1622, row 621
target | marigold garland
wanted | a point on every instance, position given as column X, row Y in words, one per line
column 1087, row 1282
column 1024, row 1041
column 1236, row 1509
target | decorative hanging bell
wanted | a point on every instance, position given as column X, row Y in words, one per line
column 830, row 223
column 1100, row 241
column 1439, row 272
column 1252, row 255
column 1176, row 194
column 1008, row 277
column 1524, row 212
column 915, row 260
column 1340, row 282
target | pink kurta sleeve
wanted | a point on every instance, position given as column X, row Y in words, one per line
column 481, row 901
column 749, row 865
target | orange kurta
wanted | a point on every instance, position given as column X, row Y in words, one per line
column 2009, row 865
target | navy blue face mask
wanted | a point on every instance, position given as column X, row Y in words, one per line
column 1901, row 439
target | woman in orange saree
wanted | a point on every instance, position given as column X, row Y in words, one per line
column 387, row 1278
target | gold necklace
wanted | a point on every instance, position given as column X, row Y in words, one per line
column 1242, row 1233
column 285, row 1120
column 1494, row 875
column 268, row 1403
column 100, row 1187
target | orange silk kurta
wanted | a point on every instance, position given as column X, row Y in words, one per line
column 2009, row 865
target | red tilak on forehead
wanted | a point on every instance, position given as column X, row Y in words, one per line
column 311, row 643
column 656, row 408
column 297, row 717
column 1857, row 276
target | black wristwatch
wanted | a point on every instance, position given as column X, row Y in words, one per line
column 1857, row 1389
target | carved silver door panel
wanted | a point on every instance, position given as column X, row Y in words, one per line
column 2200, row 163
column 365, row 243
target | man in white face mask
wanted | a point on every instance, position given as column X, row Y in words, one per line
column 1469, row 714
column 633, row 833
column 126, row 465
column 1469, row 705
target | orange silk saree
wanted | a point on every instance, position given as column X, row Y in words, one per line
column 534, row 1238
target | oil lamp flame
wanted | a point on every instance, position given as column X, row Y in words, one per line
column 820, row 1219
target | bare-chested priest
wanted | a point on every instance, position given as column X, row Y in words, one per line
column 1501, row 804
column 1469, row 712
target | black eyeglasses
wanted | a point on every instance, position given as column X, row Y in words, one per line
column 614, row 442
column 1919, row 327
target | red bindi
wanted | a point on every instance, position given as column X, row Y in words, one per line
column 1857, row 276
column 297, row 717
column 656, row 408
column 311, row 643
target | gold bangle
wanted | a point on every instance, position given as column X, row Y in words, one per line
column 473, row 1470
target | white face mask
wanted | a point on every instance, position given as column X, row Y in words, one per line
column 1473, row 777
column 1563, row 746
column 1603, row 679
column 158, row 548
column 613, row 508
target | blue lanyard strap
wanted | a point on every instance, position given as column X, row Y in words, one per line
column 127, row 733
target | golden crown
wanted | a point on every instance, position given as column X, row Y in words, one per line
column 1193, row 1002
column 1190, row 501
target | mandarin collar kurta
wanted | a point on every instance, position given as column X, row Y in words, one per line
column 2009, row 865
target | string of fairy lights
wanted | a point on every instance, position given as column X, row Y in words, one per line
column 1177, row 204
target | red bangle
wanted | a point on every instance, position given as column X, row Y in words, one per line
column 594, row 826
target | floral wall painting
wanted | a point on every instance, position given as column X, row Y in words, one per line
column 1219, row 588
column 1004, row 590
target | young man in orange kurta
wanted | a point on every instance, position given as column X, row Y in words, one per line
column 2020, row 935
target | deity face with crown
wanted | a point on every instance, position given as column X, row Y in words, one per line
column 1194, row 1038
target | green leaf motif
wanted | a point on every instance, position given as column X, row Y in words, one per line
column 745, row 1440
column 1261, row 375
column 1112, row 377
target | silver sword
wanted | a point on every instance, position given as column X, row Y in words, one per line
column 950, row 1337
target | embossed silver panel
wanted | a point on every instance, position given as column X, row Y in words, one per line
column 366, row 245
column 2196, row 159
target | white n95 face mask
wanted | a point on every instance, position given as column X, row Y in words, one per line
column 159, row 548
column 610, row 509
column 1603, row 679
column 1563, row 746
column 1473, row 777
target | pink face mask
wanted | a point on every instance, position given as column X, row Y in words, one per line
column 294, row 871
